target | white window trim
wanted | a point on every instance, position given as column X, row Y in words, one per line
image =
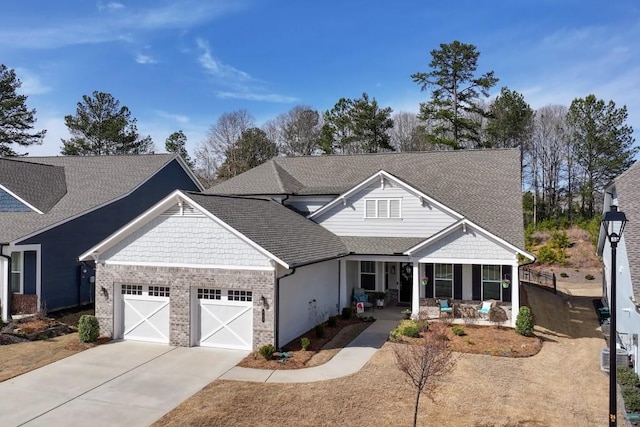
column 21, row 272
column 374, row 274
column 377, row 201
column 492, row 281
column 452, row 280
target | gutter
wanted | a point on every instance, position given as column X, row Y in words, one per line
column 7, row 303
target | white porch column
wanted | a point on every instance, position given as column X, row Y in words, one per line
column 515, row 293
column 344, row 298
column 4, row 288
column 415, row 297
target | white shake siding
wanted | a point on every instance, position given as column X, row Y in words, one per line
column 307, row 298
column 469, row 245
column 416, row 220
column 185, row 240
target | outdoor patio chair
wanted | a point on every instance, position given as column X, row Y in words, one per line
column 360, row 295
column 445, row 307
column 485, row 308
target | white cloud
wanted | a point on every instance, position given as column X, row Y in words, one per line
column 179, row 118
column 145, row 59
column 31, row 83
column 216, row 68
column 109, row 6
column 249, row 96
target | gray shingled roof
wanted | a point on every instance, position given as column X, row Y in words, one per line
column 90, row 182
column 284, row 233
column 380, row 245
column 43, row 188
column 482, row 185
column 627, row 188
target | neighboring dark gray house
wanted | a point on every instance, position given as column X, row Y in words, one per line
column 54, row 208
column 270, row 253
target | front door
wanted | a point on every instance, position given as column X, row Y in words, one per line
column 406, row 282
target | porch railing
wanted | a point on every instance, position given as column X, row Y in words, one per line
column 539, row 278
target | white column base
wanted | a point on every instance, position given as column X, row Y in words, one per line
column 415, row 289
column 515, row 294
column 344, row 297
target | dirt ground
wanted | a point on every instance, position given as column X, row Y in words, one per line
column 560, row 386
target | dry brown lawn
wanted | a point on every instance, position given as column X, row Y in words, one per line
column 560, row 386
column 17, row 359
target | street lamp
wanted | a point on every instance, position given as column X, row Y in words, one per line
column 613, row 223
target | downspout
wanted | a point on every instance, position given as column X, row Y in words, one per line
column 277, row 300
column 6, row 305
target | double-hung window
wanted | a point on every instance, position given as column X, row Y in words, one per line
column 382, row 208
column 491, row 282
column 368, row 275
column 16, row 272
column 443, row 280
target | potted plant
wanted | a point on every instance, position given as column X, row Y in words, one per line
column 380, row 298
column 506, row 282
column 424, row 280
column 406, row 313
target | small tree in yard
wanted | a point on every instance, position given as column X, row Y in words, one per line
column 524, row 322
column 424, row 363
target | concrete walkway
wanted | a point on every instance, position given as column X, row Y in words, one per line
column 118, row 384
column 348, row 361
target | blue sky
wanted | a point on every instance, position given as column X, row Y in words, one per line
column 180, row 64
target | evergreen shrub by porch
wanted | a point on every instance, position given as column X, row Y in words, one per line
column 408, row 328
column 320, row 331
column 305, row 343
column 346, row 313
column 267, row 351
column 88, row 328
column 332, row 322
column 627, row 377
column 631, row 396
column 524, row 322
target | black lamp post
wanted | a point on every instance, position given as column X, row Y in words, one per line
column 613, row 223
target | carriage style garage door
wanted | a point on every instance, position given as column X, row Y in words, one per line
column 224, row 318
column 146, row 313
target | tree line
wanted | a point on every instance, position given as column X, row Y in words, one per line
column 568, row 154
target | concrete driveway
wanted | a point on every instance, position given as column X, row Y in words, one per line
column 121, row 383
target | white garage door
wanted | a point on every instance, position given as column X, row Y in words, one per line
column 225, row 318
column 146, row 313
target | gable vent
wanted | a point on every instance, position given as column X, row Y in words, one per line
column 182, row 209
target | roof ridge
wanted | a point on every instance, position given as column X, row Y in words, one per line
column 228, row 196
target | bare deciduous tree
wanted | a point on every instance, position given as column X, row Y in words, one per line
column 296, row 132
column 424, row 363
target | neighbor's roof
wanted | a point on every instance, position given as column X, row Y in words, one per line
column 627, row 185
column 289, row 236
column 482, row 185
column 91, row 181
column 43, row 187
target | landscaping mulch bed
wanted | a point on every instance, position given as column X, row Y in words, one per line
column 320, row 350
column 489, row 340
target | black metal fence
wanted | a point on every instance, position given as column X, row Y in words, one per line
column 540, row 278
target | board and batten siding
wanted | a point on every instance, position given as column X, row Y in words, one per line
column 192, row 240
column 416, row 220
column 469, row 245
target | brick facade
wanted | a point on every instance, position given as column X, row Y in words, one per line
column 184, row 281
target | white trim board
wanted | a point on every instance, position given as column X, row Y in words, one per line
column 177, row 264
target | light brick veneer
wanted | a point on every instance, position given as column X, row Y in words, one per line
column 182, row 282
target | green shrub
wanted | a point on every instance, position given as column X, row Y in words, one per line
column 589, row 277
column 470, row 341
column 560, row 240
column 407, row 328
column 367, row 319
column 267, row 351
column 305, row 343
column 320, row 331
column 547, row 255
column 332, row 322
column 524, row 322
column 346, row 313
column 458, row 330
column 627, row 376
column 88, row 328
column 631, row 396
column 563, row 274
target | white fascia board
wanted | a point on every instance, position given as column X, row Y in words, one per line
column 21, row 200
column 465, row 261
column 380, row 258
column 386, row 175
column 158, row 209
column 95, row 208
column 466, row 222
column 132, row 226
